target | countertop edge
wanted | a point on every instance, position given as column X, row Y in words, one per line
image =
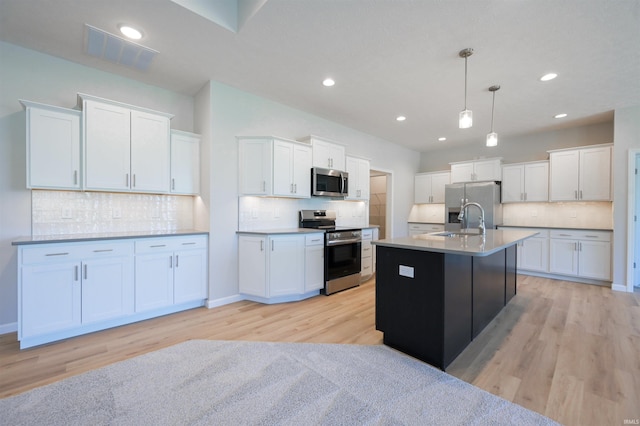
column 556, row 228
column 78, row 238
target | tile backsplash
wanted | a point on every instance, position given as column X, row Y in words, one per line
column 594, row 215
column 72, row 212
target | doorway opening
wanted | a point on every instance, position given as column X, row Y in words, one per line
column 380, row 202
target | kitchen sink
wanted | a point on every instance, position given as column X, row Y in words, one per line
column 450, row 234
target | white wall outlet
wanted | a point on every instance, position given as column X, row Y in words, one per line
column 67, row 213
column 573, row 213
column 254, row 213
column 117, row 213
column 534, row 213
column 155, row 213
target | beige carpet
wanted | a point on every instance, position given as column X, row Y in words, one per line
column 253, row 383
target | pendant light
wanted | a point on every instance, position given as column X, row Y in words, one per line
column 465, row 119
column 492, row 138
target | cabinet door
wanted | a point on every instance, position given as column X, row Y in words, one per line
column 190, row 276
column 255, row 167
column 487, row 170
column 107, row 145
column 461, row 172
column 337, row 154
column 512, row 184
column 422, row 189
column 50, row 298
column 150, row 150
column 595, row 174
column 438, row 182
column 53, row 149
column 321, row 155
column 314, row 268
column 185, row 164
column 595, row 260
column 302, row 170
column 252, row 260
column 107, row 289
column 283, row 169
column 154, row 281
column 363, row 179
column 563, row 175
column 563, row 256
column 534, row 255
column 286, row 265
column 536, row 182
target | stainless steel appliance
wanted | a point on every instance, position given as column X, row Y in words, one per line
column 342, row 250
column 329, row 183
column 487, row 194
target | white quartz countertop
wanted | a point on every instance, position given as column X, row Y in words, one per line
column 99, row 236
column 470, row 244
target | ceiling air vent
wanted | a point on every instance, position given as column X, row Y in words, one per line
column 115, row 49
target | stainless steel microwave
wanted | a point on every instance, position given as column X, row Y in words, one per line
column 329, row 183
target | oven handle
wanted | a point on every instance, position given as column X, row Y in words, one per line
column 343, row 242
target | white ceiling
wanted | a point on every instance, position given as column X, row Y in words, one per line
column 388, row 57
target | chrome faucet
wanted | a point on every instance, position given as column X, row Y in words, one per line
column 481, row 228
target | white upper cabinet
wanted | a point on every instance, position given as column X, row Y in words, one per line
column 429, row 187
column 185, row 162
column 580, row 174
column 274, row 166
column 327, row 154
column 358, row 169
column 126, row 148
column 477, row 170
column 53, row 146
column 527, row 182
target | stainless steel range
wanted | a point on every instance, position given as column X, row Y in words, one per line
column 342, row 250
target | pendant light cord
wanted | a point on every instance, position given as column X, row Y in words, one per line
column 465, row 82
column 493, row 106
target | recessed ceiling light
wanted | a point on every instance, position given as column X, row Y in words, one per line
column 328, row 82
column 442, row 139
column 130, row 32
column 401, row 118
column 563, row 115
column 549, row 76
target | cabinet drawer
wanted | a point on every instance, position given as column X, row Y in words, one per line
column 314, row 240
column 50, row 253
column 426, row 227
column 107, row 249
column 151, row 245
column 367, row 249
column 367, row 267
column 367, row 234
column 580, row 235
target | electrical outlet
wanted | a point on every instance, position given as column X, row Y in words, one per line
column 534, row 213
column 67, row 213
column 276, row 213
column 573, row 213
column 254, row 213
column 117, row 214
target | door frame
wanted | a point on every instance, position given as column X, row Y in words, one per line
column 389, row 206
column 631, row 224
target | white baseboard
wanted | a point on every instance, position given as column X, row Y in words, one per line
column 224, row 301
column 619, row 287
column 12, row 327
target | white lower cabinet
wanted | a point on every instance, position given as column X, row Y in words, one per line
column 170, row 271
column 585, row 254
column 280, row 267
column 69, row 289
column 314, row 262
column 533, row 253
column 68, row 285
column 368, row 253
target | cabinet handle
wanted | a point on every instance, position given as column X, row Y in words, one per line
column 76, row 273
column 261, row 245
column 56, row 254
column 581, row 194
column 591, row 236
column 575, row 246
column 272, row 245
column 134, row 180
column 102, row 251
column 127, row 179
column 575, row 194
column 158, row 245
column 170, row 262
column 295, row 188
column 86, row 275
column 525, row 196
column 75, row 177
column 291, row 188
column 579, row 246
column 316, row 240
column 264, row 185
column 564, row 235
column 177, row 260
column 173, row 184
column 188, row 244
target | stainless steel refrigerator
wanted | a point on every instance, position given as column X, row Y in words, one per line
column 487, row 194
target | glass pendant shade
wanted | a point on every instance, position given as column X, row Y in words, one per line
column 466, row 119
column 492, row 139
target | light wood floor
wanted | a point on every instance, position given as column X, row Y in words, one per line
column 569, row 351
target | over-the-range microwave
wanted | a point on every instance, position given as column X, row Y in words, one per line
column 329, row 183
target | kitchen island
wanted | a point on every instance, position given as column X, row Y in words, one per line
column 436, row 292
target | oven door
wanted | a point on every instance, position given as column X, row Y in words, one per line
column 342, row 259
